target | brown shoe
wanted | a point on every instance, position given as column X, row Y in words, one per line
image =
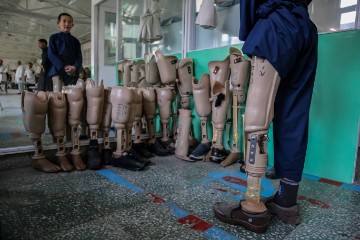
column 289, row 215
column 233, row 214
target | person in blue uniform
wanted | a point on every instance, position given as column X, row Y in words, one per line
column 64, row 52
column 45, row 83
column 282, row 42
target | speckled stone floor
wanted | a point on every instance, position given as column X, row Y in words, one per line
column 172, row 199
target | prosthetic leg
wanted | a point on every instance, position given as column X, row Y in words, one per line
column 121, row 67
column 56, row 123
column 34, row 107
column 219, row 72
column 75, row 101
column 127, row 73
column 258, row 116
column 95, row 103
column 182, row 141
column 151, row 71
column 142, row 74
column 149, row 109
column 105, row 125
column 201, row 92
column 185, row 74
column 121, row 98
column 220, row 103
column 240, row 69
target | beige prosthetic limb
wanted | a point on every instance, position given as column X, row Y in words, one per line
column 149, row 109
column 34, row 108
column 219, row 72
column 105, row 125
column 121, row 67
column 185, row 74
column 259, row 113
column 75, row 99
column 142, row 74
column 57, row 83
column 151, row 71
column 120, row 98
column 182, row 141
column 240, row 69
column 127, row 73
column 95, row 103
column 136, row 108
column 57, row 124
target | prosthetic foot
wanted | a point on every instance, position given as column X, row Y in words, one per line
column 201, row 93
column 105, row 125
column 220, row 102
column 258, row 115
column 121, row 98
column 182, row 141
column 34, row 107
column 56, row 123
column 95, row 103
column 240, row 69
column 75, row 101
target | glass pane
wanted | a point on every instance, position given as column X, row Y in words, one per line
column 170, row 28
column 110, row 38
column 226, row 31
column 332, row 16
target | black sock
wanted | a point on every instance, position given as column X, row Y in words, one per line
column 287, row 193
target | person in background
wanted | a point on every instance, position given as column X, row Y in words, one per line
column 64, row 53
column 3, row 75
column 45, row 82
column 19, row 76
column 29, row 77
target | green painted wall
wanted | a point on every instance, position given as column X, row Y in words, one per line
column 335, row 108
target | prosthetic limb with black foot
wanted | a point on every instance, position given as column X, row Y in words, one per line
column 34, row 107
column 201, row 93
column 149, row 108
column 106, row 152
column 240, row 69
column 95, row 104
column 121, row 98
column 220, row 103
column 258, row 116
column 56, row 122
column 75, row 101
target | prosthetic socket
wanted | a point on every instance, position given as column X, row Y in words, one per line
column 259, row 113
column 201, row 93
column 207, row 17
column 164, row 96
column 185, row 74
column 121, row 67
column 95, row 103
column 120, row 98
column 149, row 109
column 151, row 71
column 34, row 107
column 167, row 68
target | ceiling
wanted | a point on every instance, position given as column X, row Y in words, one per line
column 23, row 22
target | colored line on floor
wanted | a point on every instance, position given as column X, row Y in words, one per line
column 182, row 216
column 332, row 182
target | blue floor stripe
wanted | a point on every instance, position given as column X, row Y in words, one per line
column 118, row 179
column 350, row 187
column 217, row 233
column 178, row 212
column 311, row 177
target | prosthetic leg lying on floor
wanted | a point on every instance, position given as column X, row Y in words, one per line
column 258, row 116
column 121, row 98
column 201, row 92
column 95, row 103
column 56, row 122
column 240, row 69
column 75, row 99
column 34, row 108
column 105, row 125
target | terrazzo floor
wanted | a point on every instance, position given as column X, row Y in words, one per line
column 172, row 199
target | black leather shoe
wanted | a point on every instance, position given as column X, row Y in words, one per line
column 93, row 156
column 127, row 162
column 106, row 155
column 157, row 149
column 138, row 157
column 142, row 150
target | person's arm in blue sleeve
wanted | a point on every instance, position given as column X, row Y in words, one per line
column 53, row 54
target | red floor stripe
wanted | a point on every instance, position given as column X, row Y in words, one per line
column 195, row 223
column 235, row 180
column 156, row 199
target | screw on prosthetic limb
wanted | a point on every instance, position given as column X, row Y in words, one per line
column 201, row 93
column 149, row 109
column 105, row 125
column 134, row 148
column 75, row 99
column 258, row 115
column 56, row 122
column 151, row 71
column 34, row 107
column 182, row 142
column 95, row 104
column 164, row 96
column 220, row 102
column 240, row 71
column 121, row 98
column 219, row 72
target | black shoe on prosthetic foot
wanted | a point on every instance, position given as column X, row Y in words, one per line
column 142, row 150
column 139, row 158
column 157, row 149
column 200, row 151
column 169, row 146
column 93, row 156
column 218, row 155
column 106, row 155
column 232, row 213
column 126, row 161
